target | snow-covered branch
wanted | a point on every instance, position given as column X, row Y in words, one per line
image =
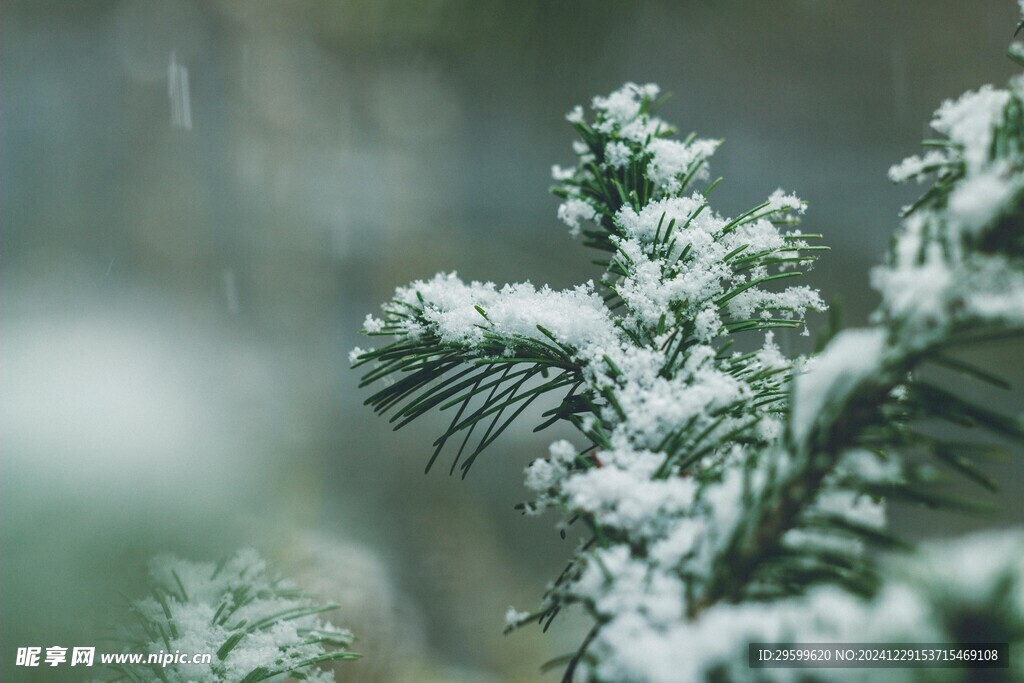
column 255, row 626
column 725, row 492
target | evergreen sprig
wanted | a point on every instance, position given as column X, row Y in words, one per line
column 719, row 484
column 256, row 626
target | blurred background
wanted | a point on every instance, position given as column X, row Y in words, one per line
column 200, row 202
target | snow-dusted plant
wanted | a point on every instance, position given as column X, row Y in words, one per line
column 734, row 496
column 256, row 626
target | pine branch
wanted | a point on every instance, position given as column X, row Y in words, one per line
column 256, row 626
column 712, row 477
